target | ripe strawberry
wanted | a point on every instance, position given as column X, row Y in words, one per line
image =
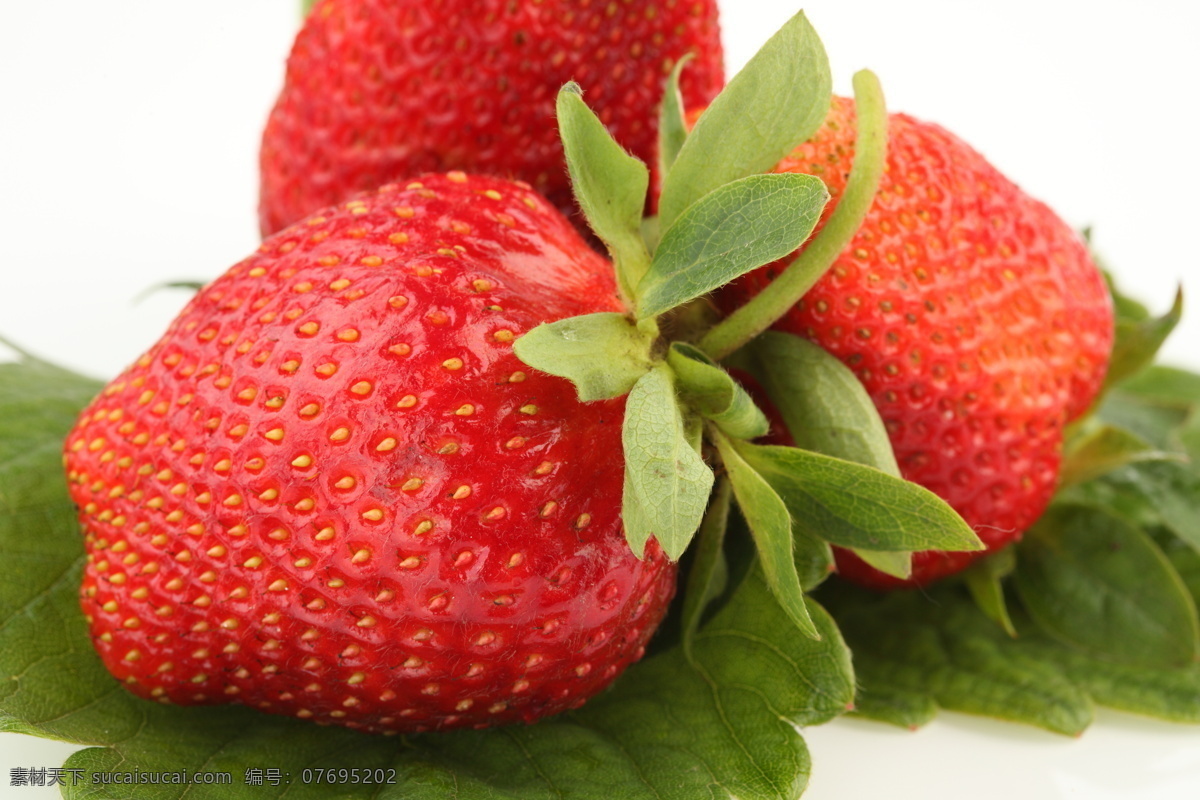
column 972, row 314
column 332, row 491
column 378, row 90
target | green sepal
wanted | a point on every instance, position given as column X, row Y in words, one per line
column 603, row 354
column 730, row 231
column 777, row 101
column 823, row 404
column 667, row 483
column 838, row 230
column 709, row 574
column 771, row 527
column 1097, row 583
column 856, row 506
column 609, row 184
column 672, row 121
column 985, row 580
column 1102, row 449
column 1137, row 342
column 714, row 394
column 897, row 563
column 813, row 556
column 1124, row 307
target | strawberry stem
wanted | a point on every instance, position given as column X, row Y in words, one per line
column 807, row 268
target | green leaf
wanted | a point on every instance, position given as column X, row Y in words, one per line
column 1151, row 419
column 1161, row 404
column 733, row 229
column 665, row 477
column 917, row 651
column 897, row 563
column 1124, row 307
column 1167, row 491
column 672, row 122
column 777, row 101
column 714, row 394
column 769, row 523
column 609, row 184
column 1138, row 342
column 813, row 557
column 822, row 403
column 709, row 572
column 602, row 354
column 856, row 506
column 985, row 579
column 1184, row 558
column 1095, row 582
column 1103, row 449
column 826, row 410
column 818, row 255
column 1166, row 385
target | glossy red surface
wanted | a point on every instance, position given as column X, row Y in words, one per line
column 331, row 490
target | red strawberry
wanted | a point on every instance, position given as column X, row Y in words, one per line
column 972, row 314
column 332, row 491
column 378, row 90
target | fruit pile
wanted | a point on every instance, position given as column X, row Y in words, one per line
column 462, row 435
column 354, row 481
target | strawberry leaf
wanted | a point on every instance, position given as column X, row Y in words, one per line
column 669, row 725
column 735, row 228
column 1095, row 582
column 1160, row 404
column 897, row 563
column 870, row 158
column 714, row 394
column 709, row 571
column 602, row 354
column 1137, row 342
column 985, row 578
column 1165, row 492
column 852, row 505
column 1166, row 385
column 672, row 123
column 1124, row 306
column 769, row 523
column 915, row 652
column 609, row 184
column 777, row 101
column 667, row 482
column 1103, row 449
column 822, row 403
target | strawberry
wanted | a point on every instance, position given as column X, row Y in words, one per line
column 378, row 90
column 332, row 491
column 973, row 316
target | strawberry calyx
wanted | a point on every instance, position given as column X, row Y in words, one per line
column 720, row 218
column 807, row 268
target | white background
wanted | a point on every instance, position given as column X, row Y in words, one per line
column 128, row 145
